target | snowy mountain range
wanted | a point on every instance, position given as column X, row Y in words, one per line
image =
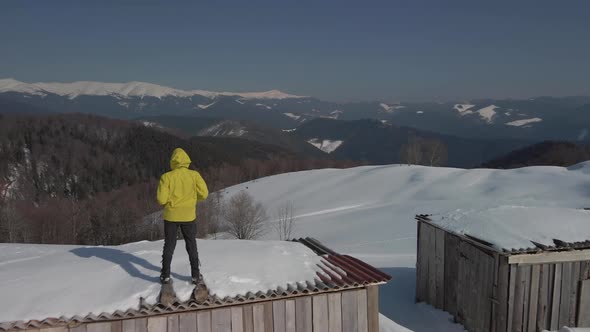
column 124, row 90
column 536, row 119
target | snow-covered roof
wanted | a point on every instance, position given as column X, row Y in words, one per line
column 44, row 281
column 510, row 227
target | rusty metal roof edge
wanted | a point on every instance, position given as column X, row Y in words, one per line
column 353, row 265
column 158, row 309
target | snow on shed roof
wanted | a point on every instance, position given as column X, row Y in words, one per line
column 521, row 228
column 63, row 284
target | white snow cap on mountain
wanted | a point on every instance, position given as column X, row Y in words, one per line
column 130, row 89
column 463, row 108
column 487, row 113
column 523, row 122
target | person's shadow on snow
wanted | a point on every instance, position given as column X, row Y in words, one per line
column 126, row 261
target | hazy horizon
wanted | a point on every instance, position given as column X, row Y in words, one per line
column 360, row 100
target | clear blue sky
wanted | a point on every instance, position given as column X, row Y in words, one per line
column 336, row 50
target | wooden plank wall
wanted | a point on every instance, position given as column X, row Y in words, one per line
column 458, row 277
column 430, row 265
column 352, row 310
column 549, row 296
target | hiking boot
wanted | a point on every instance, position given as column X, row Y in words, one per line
column 201, row 292
column 196, row 280
column 167, row 295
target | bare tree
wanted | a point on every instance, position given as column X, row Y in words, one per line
column 245, row 218
column 424, row 151
column 411, row 152
column 435, row 151
column 285, row 220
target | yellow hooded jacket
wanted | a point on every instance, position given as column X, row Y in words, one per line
column 180, row 189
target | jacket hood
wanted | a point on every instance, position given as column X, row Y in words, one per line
column 179, row 159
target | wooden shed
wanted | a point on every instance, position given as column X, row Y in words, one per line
column 490, row 288
column 343, row 297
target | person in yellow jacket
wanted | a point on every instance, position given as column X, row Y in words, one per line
column 179, row 191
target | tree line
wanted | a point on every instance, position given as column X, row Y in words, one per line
column 84, row 179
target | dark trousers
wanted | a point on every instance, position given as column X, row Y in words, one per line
column 189, row 233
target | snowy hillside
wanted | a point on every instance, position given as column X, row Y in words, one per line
column 378, row 203
column 130, row 89
column 368, row 212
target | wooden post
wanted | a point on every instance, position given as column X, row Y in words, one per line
column 334, row 312
column 248, row 318
column 290, row 318
column 566, row 289
column 511, row 294
column 519, row 293
column 556, row 297
column 268, row 317
column 373, row 308
column 258, row 317
column 451, row 270
column 349, row 311
column 431, row 265
column 362, row 310
column 320, row 313
column 534, row 298
column 279, row 316
column 141, row 325
column 422, row 282
column 574, row 284
column 237, row 319
column 129, row 325
column 221, row 320
column 117, row 326
column 79, row 328
column 187, row 322
column 52, row 329
column 157, row 324
column 173, row 325
column 584, row 307
column 303, row 314
column 503, row 286
column 419, row 293
column 439, row 263
column 101, row 327
column 527, row 297
column 204, row 321
column 543, row 298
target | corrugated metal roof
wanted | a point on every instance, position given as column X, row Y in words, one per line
column 338, row 272
column 535, row 247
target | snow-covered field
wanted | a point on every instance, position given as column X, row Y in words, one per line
column 367, row 212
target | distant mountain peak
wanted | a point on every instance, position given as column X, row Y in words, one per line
column 129, row 89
